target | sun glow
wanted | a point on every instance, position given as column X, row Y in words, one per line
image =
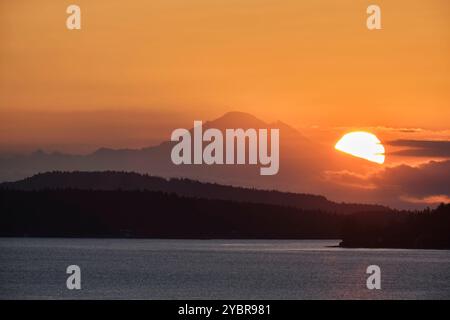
column 363, row 145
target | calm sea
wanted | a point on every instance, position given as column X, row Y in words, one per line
column 216, row 269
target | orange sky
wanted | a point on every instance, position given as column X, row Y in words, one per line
column 137, row 68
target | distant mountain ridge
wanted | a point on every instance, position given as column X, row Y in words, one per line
column 130, row 181
column 156, row 160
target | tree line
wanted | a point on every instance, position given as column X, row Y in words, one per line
column 151, row 214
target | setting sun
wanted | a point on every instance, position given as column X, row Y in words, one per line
column 363, row 145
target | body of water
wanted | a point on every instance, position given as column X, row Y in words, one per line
column 35, row 268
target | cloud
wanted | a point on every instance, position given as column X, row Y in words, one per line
column 424, row 184
column 428, row 200
column 422, row 148
column 349, row 179
column 429, row 179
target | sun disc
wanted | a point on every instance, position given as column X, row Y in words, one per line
column 363, row 145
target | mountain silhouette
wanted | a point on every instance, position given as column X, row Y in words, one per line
column 130, row 181
column 233, row 118
column 295, row 166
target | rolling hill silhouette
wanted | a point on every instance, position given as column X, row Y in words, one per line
column 130, row 181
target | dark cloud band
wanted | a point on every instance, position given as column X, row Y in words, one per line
column 422, row 148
